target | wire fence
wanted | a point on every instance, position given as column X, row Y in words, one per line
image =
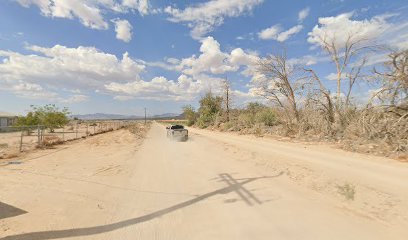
column 14, row 140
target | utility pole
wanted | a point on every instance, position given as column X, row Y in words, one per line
column 145, row 115
column 227, row 97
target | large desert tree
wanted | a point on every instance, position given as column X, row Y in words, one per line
column 347, row 42
column 319, row 96
column 281, row 83
column 394, row 81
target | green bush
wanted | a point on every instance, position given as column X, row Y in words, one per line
column 210, row 107
column 255, row 107
column 267, row 116
column 190, row 114
column 205, row 120
column 246, row 118
column 49, row 115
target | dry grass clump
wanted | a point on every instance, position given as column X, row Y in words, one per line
column 348, row 191
column 378, row 130
column 7, row 152
column 51, row 141
column 139, row 129
column 11, row 153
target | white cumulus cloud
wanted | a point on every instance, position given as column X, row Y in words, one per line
column 213, row 60
column 270, row 33
column 203, row 18
column 89, row 12
column 159, row 88
column 276, row 33
column 66, row 75
column 340, row 29
column 140, row 5
column 302, row 15
column 123, row 30
column 285, row 35
column 46, row 69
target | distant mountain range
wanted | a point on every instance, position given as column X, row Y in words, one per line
column 106, row 116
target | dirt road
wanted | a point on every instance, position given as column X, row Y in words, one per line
column 215, row 186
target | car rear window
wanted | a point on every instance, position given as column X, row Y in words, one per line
column 177, row 127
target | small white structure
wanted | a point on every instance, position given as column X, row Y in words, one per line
column 7, row 119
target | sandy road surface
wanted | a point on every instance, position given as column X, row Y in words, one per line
column 215, row 186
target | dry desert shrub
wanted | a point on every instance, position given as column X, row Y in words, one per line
column 314, row 122
column 139, row 129
column 51, row 140
column 9, row 153
column 387, row 130
column 6, row 151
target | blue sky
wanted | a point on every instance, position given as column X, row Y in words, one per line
column 119, row 56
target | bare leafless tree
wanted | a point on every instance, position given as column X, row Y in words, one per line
column 353, row 75
column 283, row 83
column 394, row 79
column 321, row 96
column 342, row 56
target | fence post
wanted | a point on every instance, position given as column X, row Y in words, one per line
column 21, row 139
column 87, row 129
column 63, row 133
column 76, row 130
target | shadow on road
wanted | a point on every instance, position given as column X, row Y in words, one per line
column 233, row 186
column 242, row 192
column 7, row 211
